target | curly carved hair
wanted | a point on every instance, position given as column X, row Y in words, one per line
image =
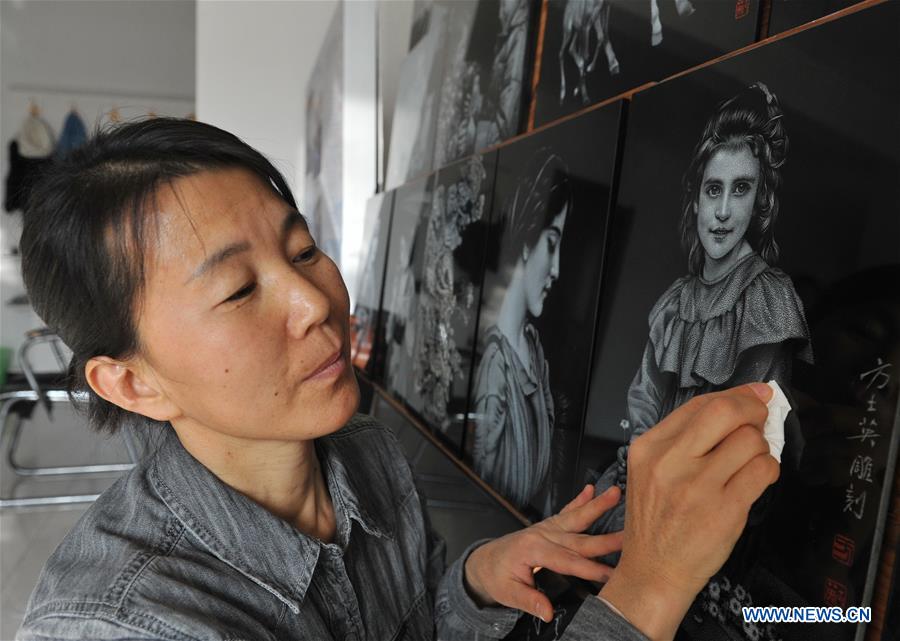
column 751, row 119
column 542, row 192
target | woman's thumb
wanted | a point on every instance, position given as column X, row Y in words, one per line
column 531, row 601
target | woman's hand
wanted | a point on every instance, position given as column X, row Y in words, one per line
column 691, row 482
column 502, row 571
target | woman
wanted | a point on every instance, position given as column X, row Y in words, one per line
column 513, row 404
column 171, row 258
column 734, row 318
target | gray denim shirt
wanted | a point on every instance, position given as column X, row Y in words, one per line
column 171, row 552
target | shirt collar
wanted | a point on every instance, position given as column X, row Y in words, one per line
column 346, row 489
column 241, row 533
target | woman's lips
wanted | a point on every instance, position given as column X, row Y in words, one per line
column 330, row 368
column 719, row 234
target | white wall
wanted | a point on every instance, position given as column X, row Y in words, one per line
column 254, row 58
column 254, row 62
column 394, row 27
column 245, row 62
column 136, row 56
column 360, row 133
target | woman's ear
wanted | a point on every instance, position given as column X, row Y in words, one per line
column 129, row 387
column 525, row 253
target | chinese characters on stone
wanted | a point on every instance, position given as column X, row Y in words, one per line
column 875, row 379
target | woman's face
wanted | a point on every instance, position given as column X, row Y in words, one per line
column 542, row 264
column 244, row 323
column 725, row 204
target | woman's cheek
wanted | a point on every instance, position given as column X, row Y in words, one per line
column 339, row 289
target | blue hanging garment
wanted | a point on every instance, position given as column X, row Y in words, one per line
column 74, row 134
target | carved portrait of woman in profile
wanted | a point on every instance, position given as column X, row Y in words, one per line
column 514, row 412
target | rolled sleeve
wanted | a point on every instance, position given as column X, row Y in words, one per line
column 459, row 616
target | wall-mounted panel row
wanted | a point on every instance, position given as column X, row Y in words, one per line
column 542, row 305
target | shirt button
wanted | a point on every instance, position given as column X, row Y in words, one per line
column 495, row 627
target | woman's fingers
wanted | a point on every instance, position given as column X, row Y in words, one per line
column 564, row 561
column 722, row 414
column 745, row 486
column 731, row 455
column 586, row 494
column 591, row 546
column 678, row 420
column 529, row 599
column 581, row 518
column 688, row 499
column 687, row 507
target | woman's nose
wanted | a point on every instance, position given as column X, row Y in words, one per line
column 307, row 305
column 723, row 212
column 554, row 265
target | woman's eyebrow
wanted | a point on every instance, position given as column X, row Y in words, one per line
column 750, row 178
column 217, row 258
column 292, row 219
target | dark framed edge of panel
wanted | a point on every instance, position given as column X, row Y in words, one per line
column 627, row 95
column 734, row 26
column 373, row 363
column 875, row 564
column 412, row 419
column 885, row 625
column 879, row 563
column 788, row 14
column 610, row 221
column 625, row 98
column 882, row 569
column 566, row 593
column 616, row 111
column 377, row 375
column 488, row 158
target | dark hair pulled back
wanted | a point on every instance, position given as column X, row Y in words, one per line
column 85, row 235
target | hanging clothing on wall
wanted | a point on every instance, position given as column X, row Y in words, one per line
column 29, row 153
column 22, row 173
column 74, row 134
column 36, row 139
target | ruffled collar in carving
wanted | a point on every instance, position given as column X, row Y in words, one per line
column 700, row 329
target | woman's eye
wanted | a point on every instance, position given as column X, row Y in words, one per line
column 552, row 241
column 241, row 293
column 741, row 188
column 306, row 255
column 713, row 191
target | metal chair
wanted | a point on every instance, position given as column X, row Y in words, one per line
column 35, row 395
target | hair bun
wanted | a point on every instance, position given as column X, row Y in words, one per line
column 770, row 98
column 759, row 99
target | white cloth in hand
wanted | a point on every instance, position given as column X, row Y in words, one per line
column 779, row 407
